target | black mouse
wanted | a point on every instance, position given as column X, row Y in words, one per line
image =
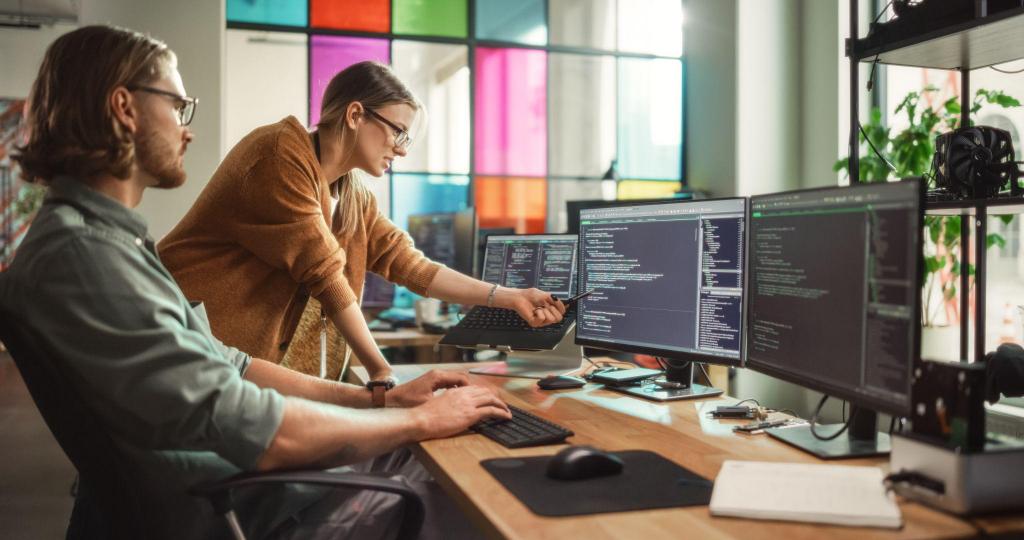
column 583, row 462
column 557, row 382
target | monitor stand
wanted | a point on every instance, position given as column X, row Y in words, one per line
column 682, row 375
column 862, row 439
column 565, row 357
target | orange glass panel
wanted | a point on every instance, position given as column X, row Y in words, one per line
column 520, row 203
column 365, row 15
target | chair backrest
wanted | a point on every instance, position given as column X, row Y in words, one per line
column 106, row 505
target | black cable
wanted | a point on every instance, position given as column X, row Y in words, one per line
column 871, row 77
column 1007, row 71
column 844, row 411
column 872, row 145
column 751, row 400
column 892, row 425
column 814, row 421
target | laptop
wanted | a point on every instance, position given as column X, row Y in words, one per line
column 544, row 261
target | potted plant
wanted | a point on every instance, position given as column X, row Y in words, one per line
column 910, row 153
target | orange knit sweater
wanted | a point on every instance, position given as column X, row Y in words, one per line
column 257, row 244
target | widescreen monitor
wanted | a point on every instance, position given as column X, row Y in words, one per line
column 834, row 302
column 668, row 281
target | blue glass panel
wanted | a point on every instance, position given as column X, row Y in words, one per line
column 426, row 193
column 284, row 12
column 650, row 118
column 521, row 21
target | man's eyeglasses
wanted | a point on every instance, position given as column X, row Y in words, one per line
column 186, row 106
column 402, row 138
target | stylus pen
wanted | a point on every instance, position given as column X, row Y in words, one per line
column 570, row 301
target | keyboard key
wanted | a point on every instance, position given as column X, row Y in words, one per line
column 524, row 429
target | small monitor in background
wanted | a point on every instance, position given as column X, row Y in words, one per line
column 377, row 292
column 448, row 238
column 481, row 245
column 834, row 303
column 668, row 280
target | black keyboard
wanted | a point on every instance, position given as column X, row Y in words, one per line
column 524, row 429
column 485, row 318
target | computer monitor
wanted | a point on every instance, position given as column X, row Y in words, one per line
column 668, row 281
column 447, row 237
column 834, row 303
column 572, row 208
column 482, row 235
column 377, row 292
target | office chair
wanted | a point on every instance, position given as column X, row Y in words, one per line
column 107, row 502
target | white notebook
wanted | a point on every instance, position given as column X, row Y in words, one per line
column 833, row 494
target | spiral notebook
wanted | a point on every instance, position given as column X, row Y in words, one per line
column 831, row 494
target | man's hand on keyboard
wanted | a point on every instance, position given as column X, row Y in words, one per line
column 535, row 306
column 457, row 409
column 421, row 389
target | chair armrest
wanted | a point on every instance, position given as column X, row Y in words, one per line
column 219, row 492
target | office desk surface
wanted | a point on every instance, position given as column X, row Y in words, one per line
column 675, row 430
column 405, row 337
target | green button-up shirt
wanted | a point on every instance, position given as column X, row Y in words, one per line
column 87, row 277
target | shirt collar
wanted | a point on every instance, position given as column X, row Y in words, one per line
column 77, row 194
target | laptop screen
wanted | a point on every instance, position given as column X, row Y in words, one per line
column 544, row 261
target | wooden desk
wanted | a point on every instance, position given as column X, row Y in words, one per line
column 427, row 349
column 675, row 430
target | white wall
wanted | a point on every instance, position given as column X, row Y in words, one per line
column 194, row 29
column 21, row 52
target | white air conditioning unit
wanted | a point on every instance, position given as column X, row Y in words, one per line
column 34, row 13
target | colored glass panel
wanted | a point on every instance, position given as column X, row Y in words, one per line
column 582, row 23
column 364, row 15
column 331, row 54
column 437, row 74
column 651, row 26
column 647, row 189
column 519, row 21
column 274, row 62
column 511, row 112
column 430, row 18
column 426, row 193
column 581, row 97
column 562, row 190
column 650, row 119
column 283, row 12
column 520, row 203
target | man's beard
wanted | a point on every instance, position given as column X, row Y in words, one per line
column 158, row 159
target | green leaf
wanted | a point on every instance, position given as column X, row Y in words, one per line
column 1006, row 101
column 950, row 293
column 1006, row 218
column 933, row 264
column 994, row 239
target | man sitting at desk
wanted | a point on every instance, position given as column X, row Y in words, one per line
column 108, row 118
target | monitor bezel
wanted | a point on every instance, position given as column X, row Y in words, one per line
column 605, row 203
column 834, row 390
column 670, row 354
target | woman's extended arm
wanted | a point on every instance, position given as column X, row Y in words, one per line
column 535, row 306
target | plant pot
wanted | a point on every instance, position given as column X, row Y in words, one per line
column 940, row 343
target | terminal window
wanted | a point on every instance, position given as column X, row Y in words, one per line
column 523, row 262
column 665, row 276
column 832, row 288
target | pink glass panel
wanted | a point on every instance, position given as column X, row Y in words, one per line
column 511, row 112
column 332, row 54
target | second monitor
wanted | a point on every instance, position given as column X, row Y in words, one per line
column 668, row 281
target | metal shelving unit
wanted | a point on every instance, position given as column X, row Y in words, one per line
column 985, row 40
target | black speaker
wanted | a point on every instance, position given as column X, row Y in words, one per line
column 975, row 162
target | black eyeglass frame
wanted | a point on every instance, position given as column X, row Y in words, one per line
column 186, row 104
column 402, row 140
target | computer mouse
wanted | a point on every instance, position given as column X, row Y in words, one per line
column 557, row 382
column 583, row 462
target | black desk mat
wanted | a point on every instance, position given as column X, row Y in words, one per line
column 647, row 481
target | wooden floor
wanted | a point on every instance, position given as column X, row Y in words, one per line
column 35, row 476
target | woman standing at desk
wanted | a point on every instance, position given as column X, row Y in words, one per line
column 285, row 231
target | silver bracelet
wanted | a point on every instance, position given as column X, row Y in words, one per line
column 490, row 295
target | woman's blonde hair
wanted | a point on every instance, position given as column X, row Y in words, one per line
column 72, row 128
column 373, row 85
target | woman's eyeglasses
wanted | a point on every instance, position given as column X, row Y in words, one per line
column 186, row 106
column 402, row 138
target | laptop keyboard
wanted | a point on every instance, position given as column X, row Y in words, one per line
column 484, row 318
column 524, row 429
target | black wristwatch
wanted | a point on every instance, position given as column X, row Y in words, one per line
column 379, row 390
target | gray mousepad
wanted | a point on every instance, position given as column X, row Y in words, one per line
column 647, row 481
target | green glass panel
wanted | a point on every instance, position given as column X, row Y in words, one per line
column 430, row 17
column 283, row 12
